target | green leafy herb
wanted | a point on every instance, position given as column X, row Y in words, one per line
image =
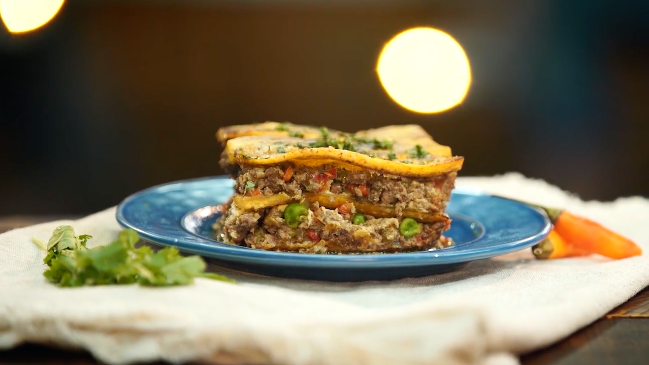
column 379, row 144
column 296, row 134
column 282, row 127
column 249, row 186
column 84, row 238
column 281, row 150
column 324, row 131
column 383, row 144
column 71, row 263
column 392, row 156
column 343, row 142
column 418, row 152
column 361, row 139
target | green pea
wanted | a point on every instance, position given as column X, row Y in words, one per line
column 409, row 227
column 293, row 213
column 358, row 218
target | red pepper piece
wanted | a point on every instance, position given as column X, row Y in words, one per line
column 364, row 190
column 313, row 235
column 331, row 173
column 345, row 208
column 288, row 173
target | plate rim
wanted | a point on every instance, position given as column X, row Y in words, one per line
column 222, row 251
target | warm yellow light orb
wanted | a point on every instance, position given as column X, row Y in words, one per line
column 424, row 70
column 24, row 15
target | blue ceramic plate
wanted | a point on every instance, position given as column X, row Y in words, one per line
column 180, row 214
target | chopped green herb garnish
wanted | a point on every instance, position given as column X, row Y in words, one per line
column 324, row 131
column 418, row 152
column 282, row 127
column 346, row 145
column 281, row 150
column 249, row 186
column 343, row 142
column 361, row 139
column 379, row 144
column 296, row 134
column 392, row 156
column 71, row 263
column 382, row 144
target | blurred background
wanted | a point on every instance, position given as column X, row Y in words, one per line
column 111, row 97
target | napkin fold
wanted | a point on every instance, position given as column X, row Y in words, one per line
column 486, row 313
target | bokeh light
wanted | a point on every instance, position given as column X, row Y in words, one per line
column 424, row 70
column 25, row 15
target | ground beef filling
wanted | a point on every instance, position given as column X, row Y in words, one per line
column 423, row 194
column 325, row 230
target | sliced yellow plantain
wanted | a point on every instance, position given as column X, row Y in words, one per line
column 254, row 203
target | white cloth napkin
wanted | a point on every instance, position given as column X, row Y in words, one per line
column 486, row 313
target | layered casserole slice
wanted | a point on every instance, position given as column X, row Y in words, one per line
column 313, row 190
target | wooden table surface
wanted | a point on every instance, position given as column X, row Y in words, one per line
column 621, row 337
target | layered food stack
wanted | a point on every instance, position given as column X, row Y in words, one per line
column 314, row 190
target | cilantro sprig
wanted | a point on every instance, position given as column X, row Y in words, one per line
column 249, row 186
column 382, row 144
column 282, row 127
column 418, row 152
column 71, row 263
column 378, row 144
column 343, row 142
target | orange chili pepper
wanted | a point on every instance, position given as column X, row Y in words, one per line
column 555, row 247
column 589, row 236
column 593, row 237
